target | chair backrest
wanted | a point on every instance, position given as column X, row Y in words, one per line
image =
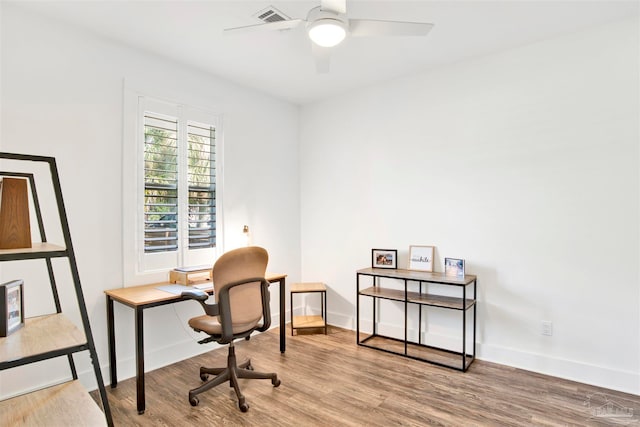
column 246, row 302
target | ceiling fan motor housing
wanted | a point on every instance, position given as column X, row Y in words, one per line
column 327, row 28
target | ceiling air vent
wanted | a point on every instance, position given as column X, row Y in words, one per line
column 271, row 14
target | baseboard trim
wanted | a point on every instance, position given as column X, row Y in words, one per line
column 573, row 370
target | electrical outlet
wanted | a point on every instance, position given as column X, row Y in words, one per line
column 547, row 328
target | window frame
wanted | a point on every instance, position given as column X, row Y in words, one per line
column 141, row 267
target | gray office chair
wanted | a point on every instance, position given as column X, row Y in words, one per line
column 242, row 300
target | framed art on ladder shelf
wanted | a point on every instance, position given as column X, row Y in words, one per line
column 11, row 307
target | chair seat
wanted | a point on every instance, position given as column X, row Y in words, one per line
column 211, row 326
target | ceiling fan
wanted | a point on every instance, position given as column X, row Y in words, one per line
column 327, row 26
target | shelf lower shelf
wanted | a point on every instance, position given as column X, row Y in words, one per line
column 64, row 404
column 422, row 352
column 418, row 298
column 299, row 322
column 40, row 338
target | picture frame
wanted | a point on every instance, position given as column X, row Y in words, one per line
column 384, row 258
column 11, row 307
column 421, row 258
column 454, row 267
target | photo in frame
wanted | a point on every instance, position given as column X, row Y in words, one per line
column 384, row 258
column 421, row 258
column 454, row 267
column 11, row 307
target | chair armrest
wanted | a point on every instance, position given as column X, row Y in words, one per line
column 201, row 297
column 195, row 294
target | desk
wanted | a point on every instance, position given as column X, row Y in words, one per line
column 147, row 296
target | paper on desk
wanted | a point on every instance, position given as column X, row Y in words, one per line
column 175, row 289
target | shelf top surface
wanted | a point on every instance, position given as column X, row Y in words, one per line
column 423, row 276
column 40, row 335
column 64, row 404
column 36, row 247
column 308, row 287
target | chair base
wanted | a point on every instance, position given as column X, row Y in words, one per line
column 230, row 373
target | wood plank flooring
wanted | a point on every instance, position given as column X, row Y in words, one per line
column 331, row 381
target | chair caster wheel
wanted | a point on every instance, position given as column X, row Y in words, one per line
column 193, row 400
column 275, row 382
column 244, row 407
column 204, row 377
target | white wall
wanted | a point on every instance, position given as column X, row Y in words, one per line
column 525, row 164
column 62, row 96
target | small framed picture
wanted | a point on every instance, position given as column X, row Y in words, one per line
column 454, row 267
column 11, row 307
column 421, row 258
column 384, row 258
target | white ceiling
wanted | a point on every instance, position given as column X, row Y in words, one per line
column 280, row 62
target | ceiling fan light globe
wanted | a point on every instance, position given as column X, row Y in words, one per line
column 327, row 32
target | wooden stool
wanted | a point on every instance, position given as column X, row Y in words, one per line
column 308, row 322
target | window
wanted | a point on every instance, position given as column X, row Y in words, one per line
column 163, row 188
column 202, row 185
column 177, row 198
column 160, row 183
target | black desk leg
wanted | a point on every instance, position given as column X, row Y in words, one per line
column 283, row 315
column 140, row 360
column 112, row 343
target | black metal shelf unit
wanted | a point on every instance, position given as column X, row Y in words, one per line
column 460, row 360
column 55, row 342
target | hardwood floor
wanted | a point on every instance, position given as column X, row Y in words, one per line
column 330, row 381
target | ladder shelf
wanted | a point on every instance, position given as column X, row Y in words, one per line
column 52, row 335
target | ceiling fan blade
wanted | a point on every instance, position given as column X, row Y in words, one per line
column 338, row 6
column 277, row 25
column 370, row 27
column 322, row 56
